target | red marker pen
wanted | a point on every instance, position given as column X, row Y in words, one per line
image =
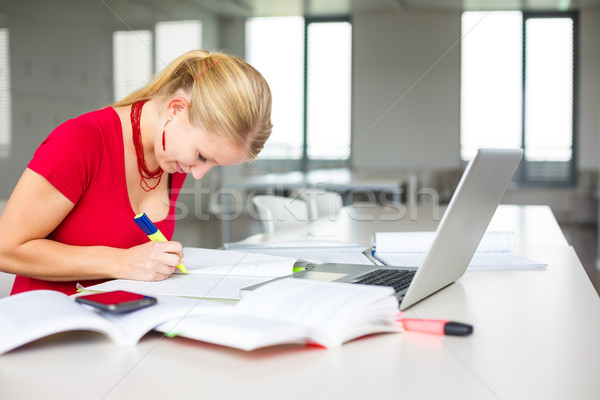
column 436, row 326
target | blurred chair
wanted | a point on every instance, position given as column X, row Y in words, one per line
column 277, row 212
column 321, row 203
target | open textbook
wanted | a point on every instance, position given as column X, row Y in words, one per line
column 409, row 249
column 296, row 311
column 216, row 274
column 29, row 316
column 283, row 311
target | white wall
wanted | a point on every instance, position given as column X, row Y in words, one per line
column 407, row 62
column 50, row 80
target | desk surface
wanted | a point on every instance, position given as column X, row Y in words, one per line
column 537, row 336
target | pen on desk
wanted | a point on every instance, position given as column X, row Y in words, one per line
column 153, row 233
column 435, row 326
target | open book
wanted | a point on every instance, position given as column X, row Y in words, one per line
column 409, row 249
column 296, row 311
column 325, row 251
column 29, row 316
column 282, row 311
column 216, row 274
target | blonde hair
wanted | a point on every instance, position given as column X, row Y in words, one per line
column 227, row 96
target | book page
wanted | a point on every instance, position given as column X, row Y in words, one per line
column 240, row 263
column 29, row 316
column 167, row 309
column 336, row 312
column 188, row 285
column 239, row 331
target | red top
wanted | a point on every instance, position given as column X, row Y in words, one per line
column 84, row 160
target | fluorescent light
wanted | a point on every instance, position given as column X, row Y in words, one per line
column 564, row 5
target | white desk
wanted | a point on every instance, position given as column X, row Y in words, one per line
column 537, row 336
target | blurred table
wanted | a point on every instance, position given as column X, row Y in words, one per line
column 340, row 180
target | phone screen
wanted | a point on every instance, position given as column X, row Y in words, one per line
column 117, row 301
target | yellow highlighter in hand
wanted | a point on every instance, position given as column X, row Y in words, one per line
column 153, row 233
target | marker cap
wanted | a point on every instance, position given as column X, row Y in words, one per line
column 457, row 329
column 145, row 224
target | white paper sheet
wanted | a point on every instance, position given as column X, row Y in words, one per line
column 318, row 251
column 189, row 285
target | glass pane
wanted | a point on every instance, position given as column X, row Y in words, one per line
column 173, row 38
column 5, row 103
column 549, row 89
column 275, row 46
column 491, row 81
column 132, row 61
column 329, row 89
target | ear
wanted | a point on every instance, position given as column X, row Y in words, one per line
column 176, row 105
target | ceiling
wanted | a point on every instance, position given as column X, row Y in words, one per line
column 317, row 8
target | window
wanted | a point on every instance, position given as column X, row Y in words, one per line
column 134, row 60
column 491, row 69
column 308, row 66
column 518, row 90
column 275, row 46
column 173, row 38
column 549, row 88
column 328, row 90
column 5, row 102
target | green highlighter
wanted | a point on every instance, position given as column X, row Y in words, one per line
column 153, row 233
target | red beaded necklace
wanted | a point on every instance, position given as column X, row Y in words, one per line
column 145, row 173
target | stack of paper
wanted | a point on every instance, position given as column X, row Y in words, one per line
column 410, row 248
column 316, row 251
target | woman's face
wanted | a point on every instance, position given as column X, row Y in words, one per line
column 193, row 150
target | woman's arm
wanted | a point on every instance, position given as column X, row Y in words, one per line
column 35, row 209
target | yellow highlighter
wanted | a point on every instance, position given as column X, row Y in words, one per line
column 153, row 233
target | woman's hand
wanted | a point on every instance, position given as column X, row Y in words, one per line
column 152, row 261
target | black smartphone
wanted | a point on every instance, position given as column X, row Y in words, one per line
column 118, row 301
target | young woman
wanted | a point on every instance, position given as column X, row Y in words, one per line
column 71, row 216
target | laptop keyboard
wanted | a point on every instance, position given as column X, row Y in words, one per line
column 396, row 278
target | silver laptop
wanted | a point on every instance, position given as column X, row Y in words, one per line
column 464, row 223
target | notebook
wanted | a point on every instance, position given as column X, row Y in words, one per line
column 462, row 227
